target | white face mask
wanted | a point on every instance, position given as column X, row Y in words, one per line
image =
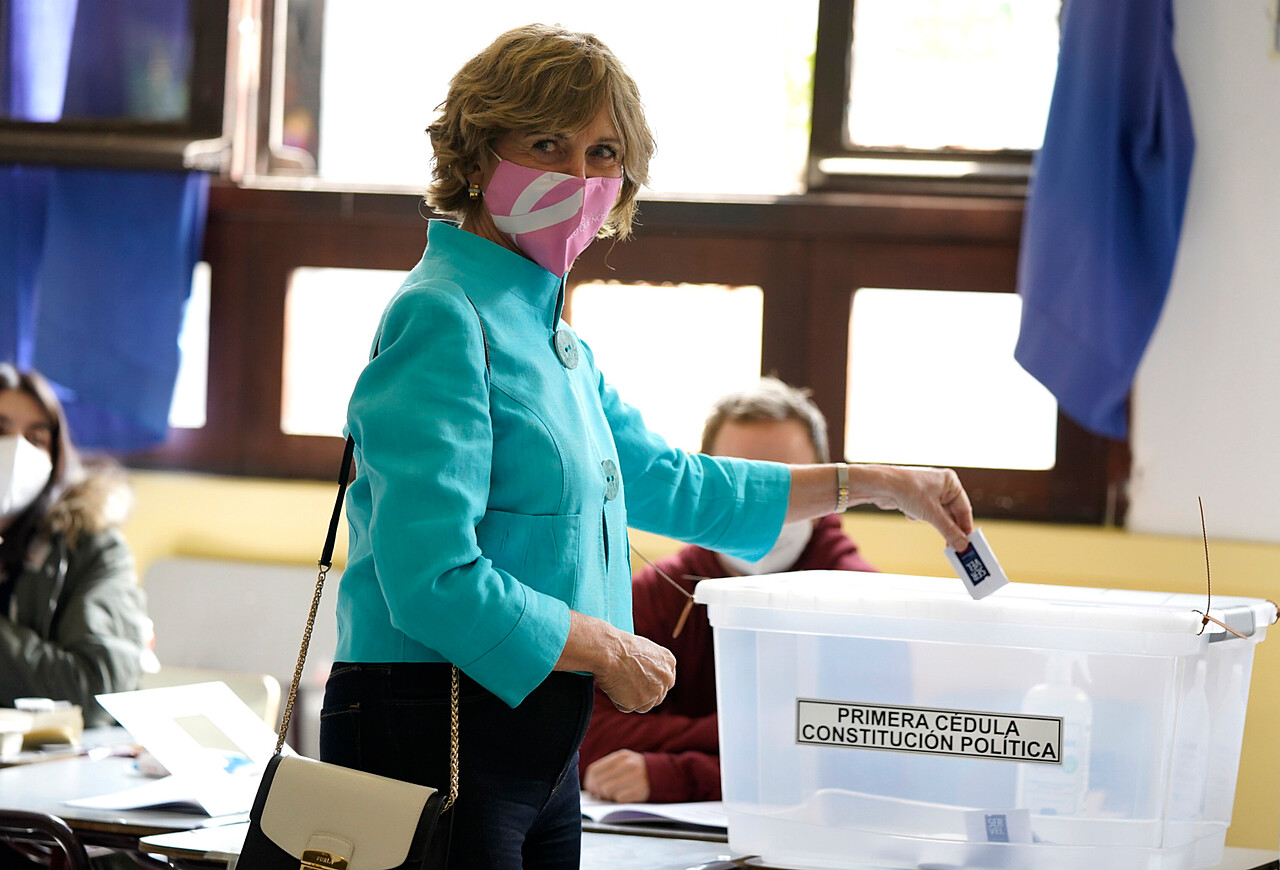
column 24, row 471
column 791, row 542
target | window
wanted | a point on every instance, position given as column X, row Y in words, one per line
column 932, row 381
column 671, row 333
column 931, row 89
column 360, row 86
column 191, row 391
column 971, row 75
column 128, row 83
column 330, row 318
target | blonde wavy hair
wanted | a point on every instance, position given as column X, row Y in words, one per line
column 536, row 77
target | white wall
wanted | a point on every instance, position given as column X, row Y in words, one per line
column 1206, row 402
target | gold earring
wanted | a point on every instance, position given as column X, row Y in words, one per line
column 473, row 191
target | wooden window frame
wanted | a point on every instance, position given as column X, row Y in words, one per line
column 808, row 254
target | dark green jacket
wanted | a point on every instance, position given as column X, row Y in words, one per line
column 76, row 625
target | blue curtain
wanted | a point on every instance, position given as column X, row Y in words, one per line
column 1105, row 207
column 96, row 264
column 111, row 300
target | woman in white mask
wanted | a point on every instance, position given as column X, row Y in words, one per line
column 72, row 618
column 496, row 472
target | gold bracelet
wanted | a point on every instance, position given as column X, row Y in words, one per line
column 842, row 487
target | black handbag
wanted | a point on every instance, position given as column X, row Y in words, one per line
column 316, row 816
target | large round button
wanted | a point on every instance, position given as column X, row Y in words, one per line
column 612, row 480
column 567, row 348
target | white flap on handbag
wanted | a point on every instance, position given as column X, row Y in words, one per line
column 312, row 802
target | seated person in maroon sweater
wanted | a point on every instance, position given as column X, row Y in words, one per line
column 671, row 754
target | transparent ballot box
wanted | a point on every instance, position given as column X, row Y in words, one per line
column 893, row 721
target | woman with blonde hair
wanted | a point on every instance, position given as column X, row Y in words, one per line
column 497, row 472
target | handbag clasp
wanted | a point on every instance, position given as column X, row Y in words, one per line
column 318, row 859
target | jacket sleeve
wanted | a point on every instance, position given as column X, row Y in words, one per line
column 682, row 776
column 419, row 416
column 735, row 506
column 98, row 635
column 681, row 753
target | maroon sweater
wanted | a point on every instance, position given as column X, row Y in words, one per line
column 678, row 737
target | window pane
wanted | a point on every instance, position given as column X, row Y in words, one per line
column 330, row 318
column 125, row 61
column 190, row 392
column 670, row 351
column 298, row 119
column 932, row 381
column 969, row 74
column 726, row 93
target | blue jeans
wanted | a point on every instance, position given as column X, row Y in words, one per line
column 518, row 805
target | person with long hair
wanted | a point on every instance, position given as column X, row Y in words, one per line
column 73, row 620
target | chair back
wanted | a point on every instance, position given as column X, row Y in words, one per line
column 23, row 826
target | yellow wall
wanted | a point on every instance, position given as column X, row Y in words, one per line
column 284, row 522
column 230, row 518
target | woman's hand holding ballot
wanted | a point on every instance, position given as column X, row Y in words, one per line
column 636, row 673
column 933, row 495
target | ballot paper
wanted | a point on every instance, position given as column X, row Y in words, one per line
column 977, row 566
column 213, row 746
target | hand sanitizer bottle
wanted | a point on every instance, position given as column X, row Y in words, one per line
column 1059, row 789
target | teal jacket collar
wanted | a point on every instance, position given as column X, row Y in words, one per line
column 509, row 273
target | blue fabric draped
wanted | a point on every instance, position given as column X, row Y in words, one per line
column 110, row 312
column 1105, row 207
column 24, row 195
column 96, row 264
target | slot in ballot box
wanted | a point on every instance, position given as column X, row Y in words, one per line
column 893, row 721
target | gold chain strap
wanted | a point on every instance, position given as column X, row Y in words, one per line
column 453, row 739
column 297, row 678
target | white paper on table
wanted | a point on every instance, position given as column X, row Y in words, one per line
column 223, row 843
column 214, row 747
column 709, row 814
column 223, row 796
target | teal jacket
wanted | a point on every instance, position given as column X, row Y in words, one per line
column 497, row 472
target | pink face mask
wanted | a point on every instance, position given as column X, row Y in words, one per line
column 551, row 217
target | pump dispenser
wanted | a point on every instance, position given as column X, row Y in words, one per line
column 1059, row 789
